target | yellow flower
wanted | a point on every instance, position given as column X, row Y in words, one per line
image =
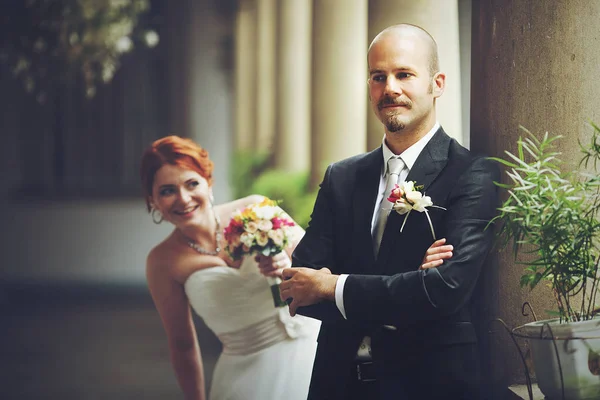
column 267, row 202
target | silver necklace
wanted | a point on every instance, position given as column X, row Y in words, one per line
column 201, row 249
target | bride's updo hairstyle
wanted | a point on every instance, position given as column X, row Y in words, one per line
column 173, row 150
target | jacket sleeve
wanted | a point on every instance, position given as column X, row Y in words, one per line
column 433, row 293
column 315, row 250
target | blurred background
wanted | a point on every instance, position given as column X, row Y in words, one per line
column 274, row 89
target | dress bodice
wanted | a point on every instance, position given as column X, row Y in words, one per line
column 236, row 304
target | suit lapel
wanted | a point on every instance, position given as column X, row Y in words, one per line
column 367, row 185
column 427, row 167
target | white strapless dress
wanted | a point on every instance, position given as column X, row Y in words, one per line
column 267, row 355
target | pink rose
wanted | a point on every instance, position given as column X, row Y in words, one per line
column 396, row 194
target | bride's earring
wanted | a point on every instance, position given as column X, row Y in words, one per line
column 211, row 198
column 157, row 216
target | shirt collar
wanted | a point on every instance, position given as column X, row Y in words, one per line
column 410, row 155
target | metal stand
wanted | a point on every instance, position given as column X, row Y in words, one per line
column 514, row 333
column 546, row 333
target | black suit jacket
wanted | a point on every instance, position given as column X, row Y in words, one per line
column 432, row 352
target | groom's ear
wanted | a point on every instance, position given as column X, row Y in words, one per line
column 438, row 84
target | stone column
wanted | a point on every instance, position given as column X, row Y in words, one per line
column 265, row 74
column 209, row 98
column 339, row 83
column 245, row 76
column 440, row 19
column 292, row 137
column 534, row 64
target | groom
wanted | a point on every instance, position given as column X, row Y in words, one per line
column 393, row 328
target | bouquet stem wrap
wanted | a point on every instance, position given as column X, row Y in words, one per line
column 274, row 282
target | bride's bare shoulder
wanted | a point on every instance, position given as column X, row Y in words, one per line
column 170, row 260
column 162, row 256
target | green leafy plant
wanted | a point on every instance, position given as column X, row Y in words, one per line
column 252, row 175
column 291, row 190
column 245, row 167
column 552, row 215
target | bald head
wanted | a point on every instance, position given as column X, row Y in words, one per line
column 415, row 32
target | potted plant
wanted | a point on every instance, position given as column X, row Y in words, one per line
column 551, row 213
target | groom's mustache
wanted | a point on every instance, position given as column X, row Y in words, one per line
column 390, row 101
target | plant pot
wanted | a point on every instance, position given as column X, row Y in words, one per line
column 578, row 350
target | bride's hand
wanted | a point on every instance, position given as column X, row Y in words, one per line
column 436, row 254
column 272, row 266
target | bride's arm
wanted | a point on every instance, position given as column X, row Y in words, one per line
column 174, row 310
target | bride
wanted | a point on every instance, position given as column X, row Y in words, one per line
column 266, row 353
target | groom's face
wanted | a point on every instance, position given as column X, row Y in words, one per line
column 402, row 89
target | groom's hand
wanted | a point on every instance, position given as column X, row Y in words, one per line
column 307, row 286
column 436, row 254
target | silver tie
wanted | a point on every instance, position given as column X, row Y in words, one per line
column 394, row 167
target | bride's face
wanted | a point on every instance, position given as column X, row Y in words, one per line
column 181, row 195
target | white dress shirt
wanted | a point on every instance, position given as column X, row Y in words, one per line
column 409, row 156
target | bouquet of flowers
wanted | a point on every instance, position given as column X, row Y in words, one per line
column 262, row 228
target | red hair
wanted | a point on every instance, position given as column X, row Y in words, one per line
column 173, row 150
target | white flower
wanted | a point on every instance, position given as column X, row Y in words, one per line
column 407, row 186
column 265, row 212
column 265, row 225
column 247, row 239
column 262, row 238
column 277, row 236
column 151, row 38
column 124, row 44
column 251, row 227
column 413, row 196
column 420, row 204
column 401, row 207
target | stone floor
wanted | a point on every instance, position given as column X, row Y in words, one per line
column 87, row 344
column 96, row 343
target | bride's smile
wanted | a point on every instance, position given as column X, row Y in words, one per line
column 188, row 212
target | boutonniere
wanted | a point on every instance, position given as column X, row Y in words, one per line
column 406, row 197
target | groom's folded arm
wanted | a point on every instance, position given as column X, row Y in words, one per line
column 433, row 293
